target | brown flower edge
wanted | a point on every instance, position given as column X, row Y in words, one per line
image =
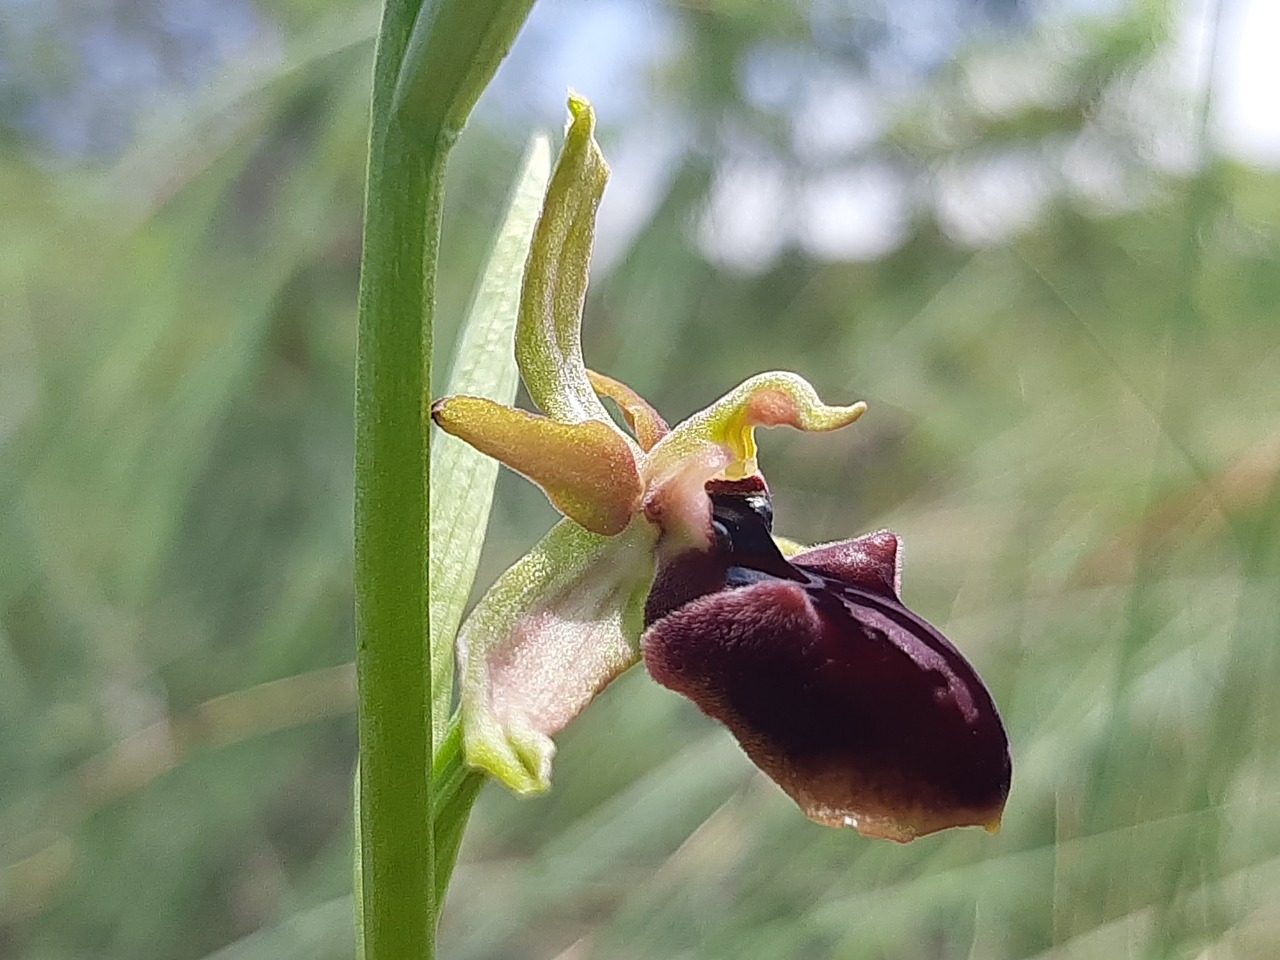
column 860, row 710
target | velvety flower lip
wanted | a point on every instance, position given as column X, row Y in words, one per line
column 859, row 709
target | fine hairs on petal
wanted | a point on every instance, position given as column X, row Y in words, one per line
column 587, row 469
column 553, row 631
column 860, row 710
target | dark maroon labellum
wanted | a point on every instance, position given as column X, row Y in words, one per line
column 859, row 709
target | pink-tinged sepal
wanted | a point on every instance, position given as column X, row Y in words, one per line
column 554, row 630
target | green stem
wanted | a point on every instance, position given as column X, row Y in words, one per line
column 394, row 344
column 433, row 60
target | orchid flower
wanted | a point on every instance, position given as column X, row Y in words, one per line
column 856, row 707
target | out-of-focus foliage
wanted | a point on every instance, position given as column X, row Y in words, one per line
column 1009, row 232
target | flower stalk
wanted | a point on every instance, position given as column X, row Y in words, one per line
column 433, row 60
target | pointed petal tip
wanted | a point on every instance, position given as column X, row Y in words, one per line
column 774, row 399
column 782, row 398
column 579, row 106
column 775, row 408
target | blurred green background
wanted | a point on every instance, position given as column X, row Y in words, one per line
column 1041, row 239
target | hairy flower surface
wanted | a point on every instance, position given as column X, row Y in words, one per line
column 860, row 710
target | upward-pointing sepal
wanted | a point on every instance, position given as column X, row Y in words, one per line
column 549, row 330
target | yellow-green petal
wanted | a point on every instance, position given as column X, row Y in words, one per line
column 587, row 470
column 779, row 398
column 645, row 422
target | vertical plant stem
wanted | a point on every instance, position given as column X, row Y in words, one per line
column 402, row 206
column 433, row 60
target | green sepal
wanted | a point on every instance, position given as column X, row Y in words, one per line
column 551, row 633
column 548, row 335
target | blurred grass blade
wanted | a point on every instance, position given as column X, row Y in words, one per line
column 462, row 479
column 318, row 933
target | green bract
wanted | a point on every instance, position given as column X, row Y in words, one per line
column 567, row 618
